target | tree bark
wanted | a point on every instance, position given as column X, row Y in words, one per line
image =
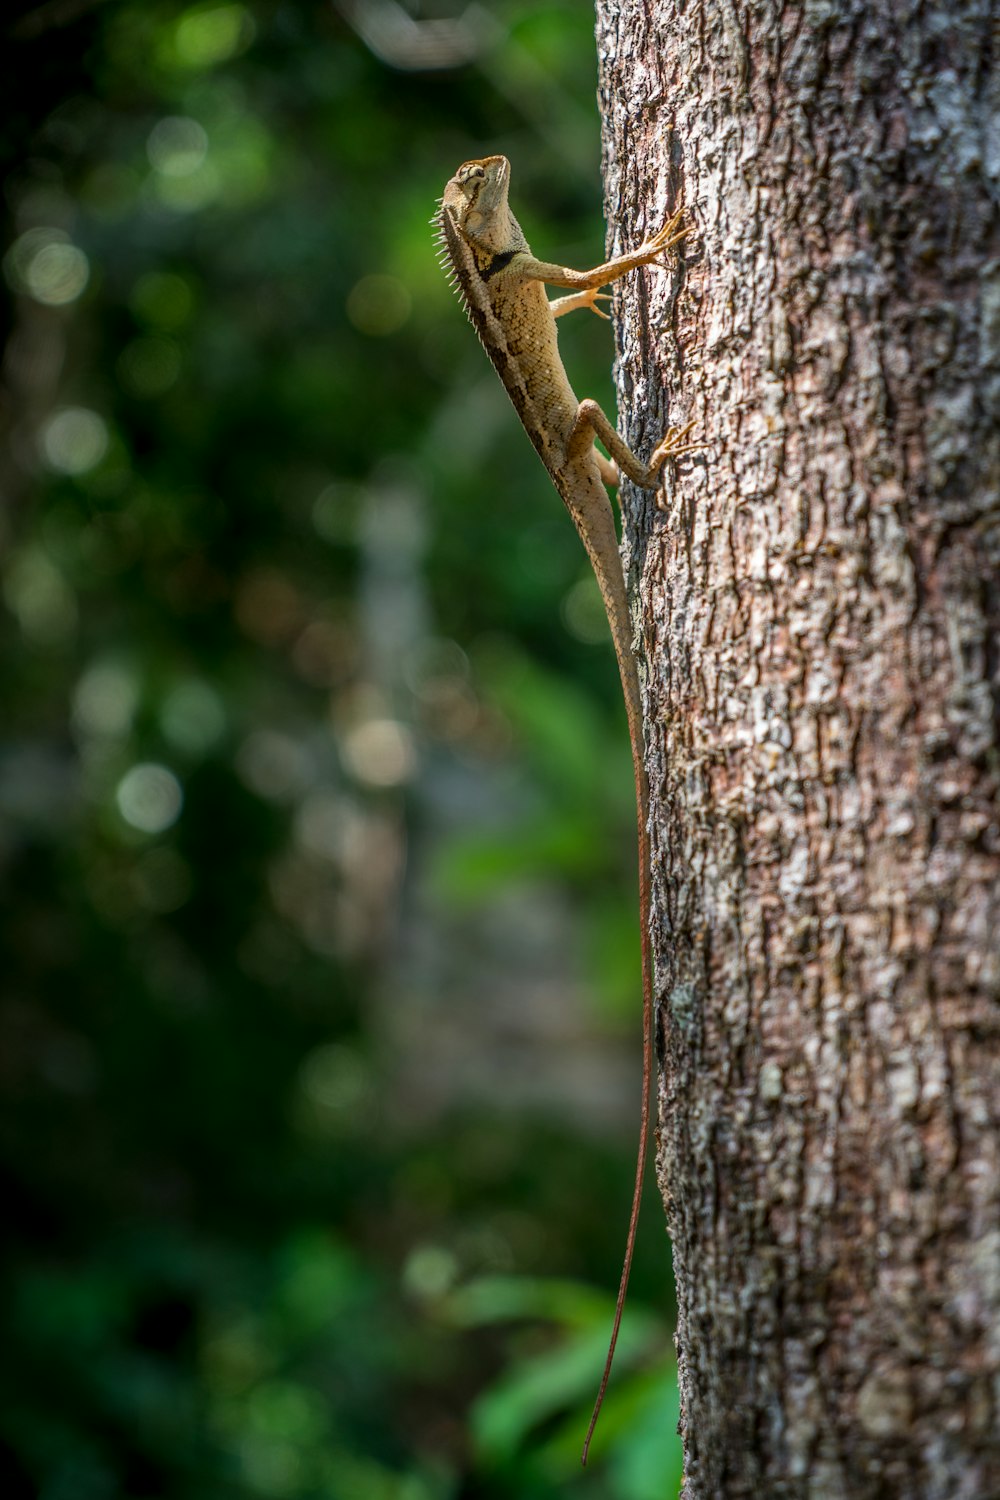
column 819, row 620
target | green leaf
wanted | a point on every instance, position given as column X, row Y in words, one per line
column 537, row 1388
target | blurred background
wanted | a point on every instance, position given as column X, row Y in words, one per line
column 320, row 1012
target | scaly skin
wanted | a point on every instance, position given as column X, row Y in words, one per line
column 502, row 286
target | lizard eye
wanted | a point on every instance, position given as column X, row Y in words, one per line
column 472, row 170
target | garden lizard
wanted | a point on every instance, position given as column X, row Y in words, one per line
column 502, row 286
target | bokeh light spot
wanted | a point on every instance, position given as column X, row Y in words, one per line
column 40, row 597
column 74, row 440
column 193, row 717
column 57, row 274
column 272, row 1466
column 150, row 797
column 380, row 752
column 336, row 1096
column 286, row 1409
column 429, row 1272
column 46, row 264
column 274, row 765
column 105, row 701
column 212, row 34
column 187, row 194
column 177, row 146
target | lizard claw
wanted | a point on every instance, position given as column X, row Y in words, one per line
column 671, row 445
column 668, row 235
column 587, row 298
column 672, row 442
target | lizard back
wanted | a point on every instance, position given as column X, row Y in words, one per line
column 518, row 332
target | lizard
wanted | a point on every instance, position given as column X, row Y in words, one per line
column 502, row 285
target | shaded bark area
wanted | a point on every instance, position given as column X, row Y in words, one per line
column 819, row 617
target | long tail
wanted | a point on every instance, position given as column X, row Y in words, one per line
column 590, row 508
column 642, row 805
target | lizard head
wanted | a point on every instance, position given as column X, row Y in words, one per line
column 476, row 201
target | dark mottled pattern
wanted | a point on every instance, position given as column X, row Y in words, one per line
column 497, row 263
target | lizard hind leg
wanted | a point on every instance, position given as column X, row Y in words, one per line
column 591, row 422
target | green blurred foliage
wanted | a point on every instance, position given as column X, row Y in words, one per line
column 300, row 654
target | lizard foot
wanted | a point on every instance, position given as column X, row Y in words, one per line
column 668, row 235
column 589, row 297
column 671, row 445
column 595, row 297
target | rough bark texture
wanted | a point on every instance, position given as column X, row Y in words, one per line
column 820, row 622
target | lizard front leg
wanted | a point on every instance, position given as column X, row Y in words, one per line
column 591, row 422
column 588, row 298
column 525, row 267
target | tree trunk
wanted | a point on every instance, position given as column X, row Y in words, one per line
column 819, row 624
